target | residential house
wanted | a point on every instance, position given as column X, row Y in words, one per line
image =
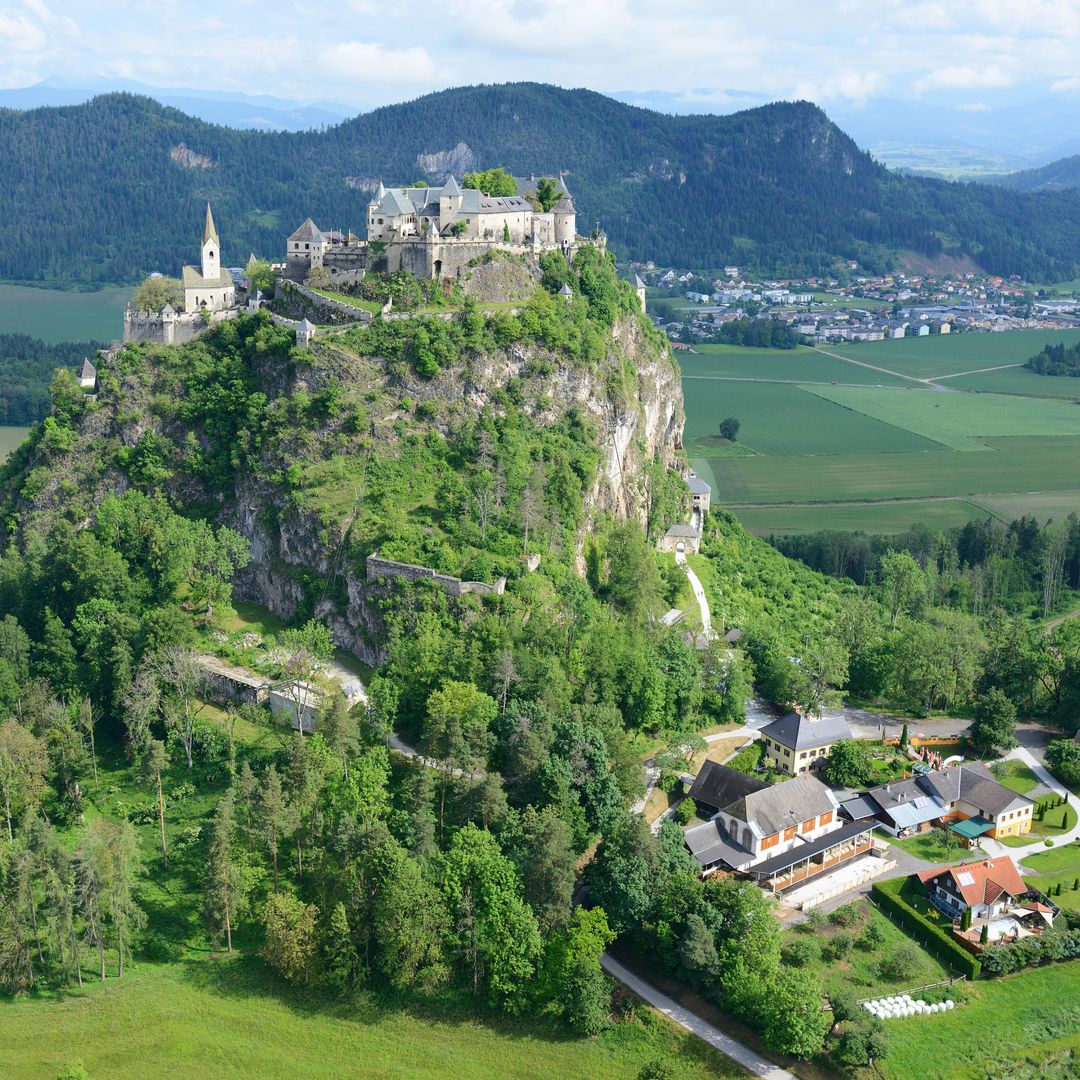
column 965, row 797
column 798, row 742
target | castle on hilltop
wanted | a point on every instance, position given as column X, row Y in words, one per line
column 213, row 288
column 438, row 231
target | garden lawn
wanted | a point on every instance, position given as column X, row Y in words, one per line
column 1055, row 821
column 1016, row 776
column 928, row 846
column 1056, row 866
column 1001, row 1022
column 859, row 970
column 227, row 1018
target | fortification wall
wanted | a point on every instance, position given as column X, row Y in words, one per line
column 378, row 567
column 304, row 303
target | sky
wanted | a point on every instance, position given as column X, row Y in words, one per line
column 368, row 52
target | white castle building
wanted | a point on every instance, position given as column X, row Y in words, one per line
column 438, row 231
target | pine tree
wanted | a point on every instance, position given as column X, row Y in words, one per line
column 339, row 956
column 224, row 880
column 271, row 814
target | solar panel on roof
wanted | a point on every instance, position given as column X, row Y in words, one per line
column 965, row 878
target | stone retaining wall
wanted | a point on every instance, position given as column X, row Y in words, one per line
column 378, row 567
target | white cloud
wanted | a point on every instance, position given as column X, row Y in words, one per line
column 370, row 62
column 1070, row 85
column 974, row 107
column 965, row 77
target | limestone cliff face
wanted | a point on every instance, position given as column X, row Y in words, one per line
column 305, row 559
column 634, row 400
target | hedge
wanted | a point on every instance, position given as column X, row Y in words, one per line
column 887, row 895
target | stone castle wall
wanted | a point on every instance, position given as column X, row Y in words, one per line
column 158, row 329
column 378, row 567
column 305, row 303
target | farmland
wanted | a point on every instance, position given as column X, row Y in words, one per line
column 830, row 441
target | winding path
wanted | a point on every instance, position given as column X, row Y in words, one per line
column 719, row 1040
column 699, row 594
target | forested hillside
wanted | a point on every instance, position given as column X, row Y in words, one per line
column 117, row 185
column 1057, row 176
column 26, row 368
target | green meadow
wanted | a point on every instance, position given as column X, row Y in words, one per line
column 827, row 443
column 55, row 315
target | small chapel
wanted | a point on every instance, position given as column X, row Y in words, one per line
column 212, row 288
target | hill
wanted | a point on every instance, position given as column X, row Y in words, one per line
column 116, row 184
column 1061, row 175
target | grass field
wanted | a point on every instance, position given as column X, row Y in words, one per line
column 10, row 437
column 949, row 353
column 837, row 448
column 1000, row 1023
column 226, row 1018
column 1016, row 776
column 54, row 315
column 787, row 420
column 869, row 517
column 797, row 365
column 957, row 420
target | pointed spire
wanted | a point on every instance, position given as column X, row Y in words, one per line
column 380, row 193
column 210, row 229
column 451, row 186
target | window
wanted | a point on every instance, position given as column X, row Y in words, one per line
column 789, row 833
column 825, row 819
column 802, row 756
column 807, row 826
column 787, row 753
column 771, row 841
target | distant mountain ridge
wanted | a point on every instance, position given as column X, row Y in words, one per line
column 102, row 191
column 1062, row 175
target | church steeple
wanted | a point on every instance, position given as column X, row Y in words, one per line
column 211, row 248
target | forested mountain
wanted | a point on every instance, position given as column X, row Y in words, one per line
column 109, row 190
column 26, row 368
column 1061, row 175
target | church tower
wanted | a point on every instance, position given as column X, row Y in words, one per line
column 211, row 249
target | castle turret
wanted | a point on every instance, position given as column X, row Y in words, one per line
column 565, row 219
column 449, row 201
column 639, row 288
column 211, row 248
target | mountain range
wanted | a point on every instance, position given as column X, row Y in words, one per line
column 110, row 189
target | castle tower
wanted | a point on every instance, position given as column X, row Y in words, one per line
column 449, row 202
column 211, row 248
column 639, row 288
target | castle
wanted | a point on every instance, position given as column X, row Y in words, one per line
column 437, row 231
column 212, row 288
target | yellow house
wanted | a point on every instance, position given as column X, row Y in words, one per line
column 796, row 743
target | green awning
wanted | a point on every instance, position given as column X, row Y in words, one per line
column 972, row 828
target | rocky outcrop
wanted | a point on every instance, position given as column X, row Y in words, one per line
column 442, row 163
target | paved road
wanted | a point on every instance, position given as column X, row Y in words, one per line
column 719, row 1040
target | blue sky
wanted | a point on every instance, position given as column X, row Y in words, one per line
column 368, row 52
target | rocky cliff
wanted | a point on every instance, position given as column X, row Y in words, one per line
column 320, row 457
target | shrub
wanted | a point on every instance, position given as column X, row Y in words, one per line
column 844, row 1006
column 668, row 781
column 872, row 936
column 902, row 963
column 848, row 915
column 801, row 951
column 685, row 811
column 841, row 945
column 657, row 1069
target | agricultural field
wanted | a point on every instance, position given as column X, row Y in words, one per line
column 928, row 357
column 56, row 315
column 856, row 450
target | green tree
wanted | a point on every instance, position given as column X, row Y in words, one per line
column 903, row 584
column 793, row 1021
column 261, row 275
column 549, row 869
column 339, row 728
column 994, row 725
column 273, row 815
column 572, row 974
column 114, row 848
column 73, row 1070
column 225, row 891
column 850, row 764
column 339, row 956
column 1063, row 760
column 290, row 937
column 498, row 182
column 24, row 762
column 157, row 291
column 151, row 764
column 633, row 583
column 547, row 192
column 729, row 428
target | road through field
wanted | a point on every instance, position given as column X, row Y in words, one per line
column 872, row 367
